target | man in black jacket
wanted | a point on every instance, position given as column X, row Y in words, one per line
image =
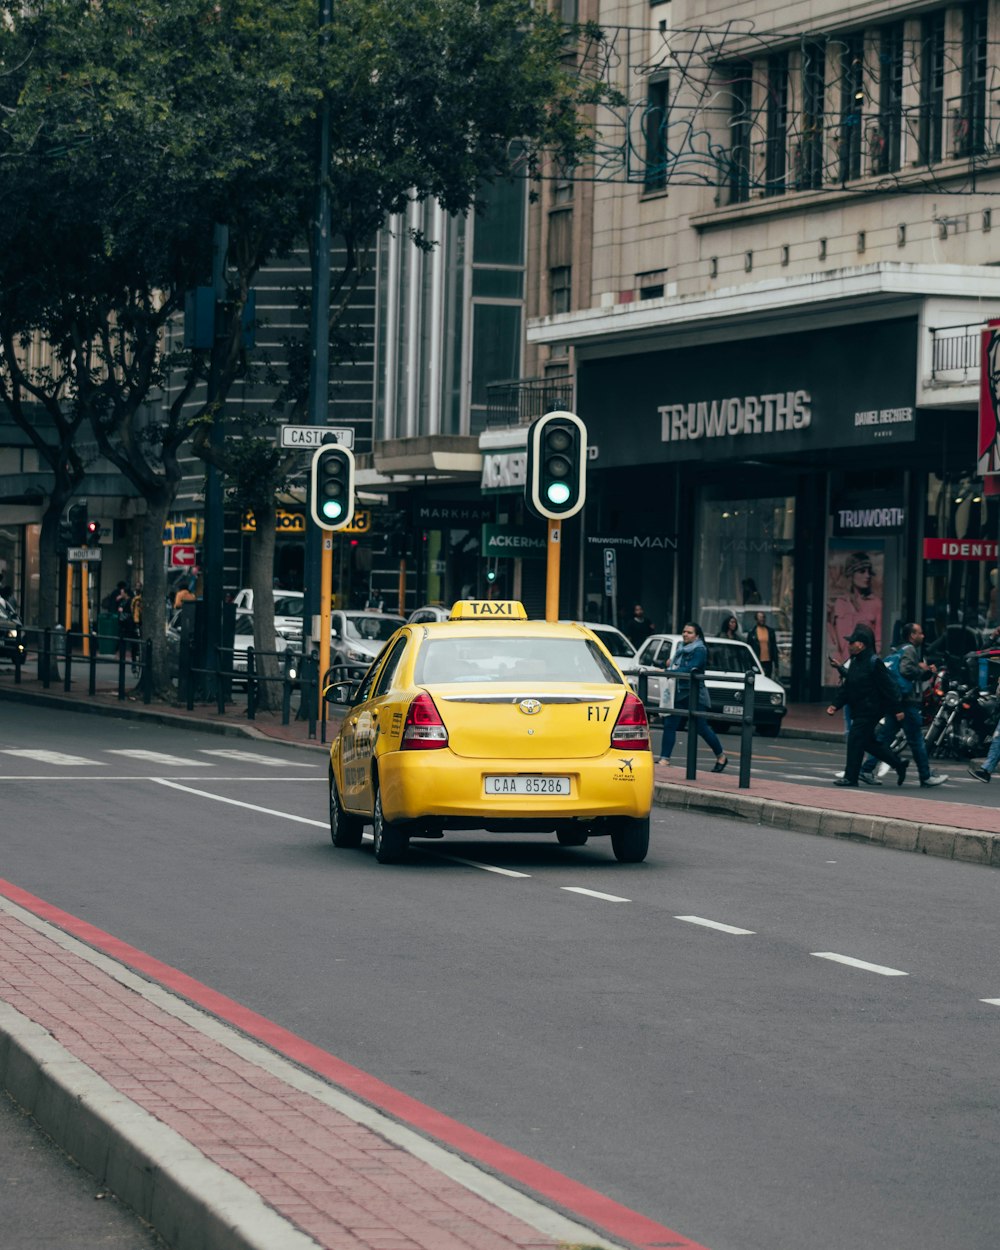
column 869, row 693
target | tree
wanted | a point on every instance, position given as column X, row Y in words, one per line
column 129, row 133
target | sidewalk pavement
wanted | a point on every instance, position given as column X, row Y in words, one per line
column 224, row 1143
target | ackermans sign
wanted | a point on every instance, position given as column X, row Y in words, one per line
column 510, row 542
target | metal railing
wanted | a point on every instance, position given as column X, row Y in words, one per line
column 695, row 681
column 518, row 401
column 956, row 349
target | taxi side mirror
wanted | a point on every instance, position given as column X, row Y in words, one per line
column 340, row 693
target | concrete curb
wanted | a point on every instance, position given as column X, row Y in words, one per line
column 944, row 841
column 191, row 1202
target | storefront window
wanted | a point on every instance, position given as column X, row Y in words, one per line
column 961, row 529
column 746, row 565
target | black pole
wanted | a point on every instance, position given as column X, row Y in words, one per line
column 319, row 333
column 694, row 690
column 213, row 545
column 746, row 729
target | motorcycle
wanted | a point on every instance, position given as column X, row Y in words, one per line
column 967, row 713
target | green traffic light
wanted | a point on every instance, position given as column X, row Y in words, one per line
column 333, row 509
column 557, row 493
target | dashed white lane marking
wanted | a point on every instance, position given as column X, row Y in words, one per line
column 715, row 924
column 609, row 898
column 49, row 757
column 859, row 963
column 253, row 807
column 158, row 757
column 471, row 863
column 253, row 757
column 993, row 1002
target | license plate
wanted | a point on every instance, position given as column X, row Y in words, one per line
column 496, row 784
column 732, row 709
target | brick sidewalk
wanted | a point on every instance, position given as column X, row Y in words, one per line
column 217, row 1141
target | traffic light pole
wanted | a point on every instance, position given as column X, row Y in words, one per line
column 325, row 592
column 553, row 552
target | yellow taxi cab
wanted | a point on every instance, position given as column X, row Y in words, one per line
column 491, row 721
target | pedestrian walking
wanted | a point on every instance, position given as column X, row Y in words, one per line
column 184, row 595
column 731, row 629
column 869, row 693
column 914, row 673
column 136, row 612
column 764, row 642
column 988, row 767
column 691, row 657
column 639, row 627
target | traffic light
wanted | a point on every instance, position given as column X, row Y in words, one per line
column 556, row 478
column 331, row 497
column 78, row 525
column 93, row 534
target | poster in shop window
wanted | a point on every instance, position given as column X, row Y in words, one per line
column 988, row 451
column 854, row 586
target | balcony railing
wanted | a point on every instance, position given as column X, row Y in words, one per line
column 519, row 401
column 955, row 349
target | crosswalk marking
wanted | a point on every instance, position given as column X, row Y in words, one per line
column 253, row 757
column 158, row 757
column 49, row 757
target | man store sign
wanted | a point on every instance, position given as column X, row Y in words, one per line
column 511, row 543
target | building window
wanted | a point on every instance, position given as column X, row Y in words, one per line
column 740, row 132
column 884, row 137
column 651, row 285
column 777, row 124
column 969, row 111
column 931, row 89
column 852, row 104
column 560, row 289
column 655, row 129
column 809, row 155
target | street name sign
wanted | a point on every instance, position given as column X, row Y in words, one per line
column 81, row 555
column 309, row 437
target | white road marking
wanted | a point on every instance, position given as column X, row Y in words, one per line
column 470, row 863
column 158, row 757
column 610, row 898
column 253, row 807
column 859, row 963
column 252, row 757
column 993, row 1002
column 52, row 757
column 715, row 924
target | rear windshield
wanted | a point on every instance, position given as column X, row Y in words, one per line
column 443, row 660
column 287, row 605
column 615, row 642
column 372, row 628
column 723, row 658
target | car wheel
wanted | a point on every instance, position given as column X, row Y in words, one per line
column 769, row 731
column 630, row 839
column 390, row 840
column 572, row 837
column 345, row 830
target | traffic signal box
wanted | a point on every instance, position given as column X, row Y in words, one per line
column 331, row 497
column 556, row 476
column 77, row 524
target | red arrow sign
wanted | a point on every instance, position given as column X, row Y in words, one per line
column 182, row 557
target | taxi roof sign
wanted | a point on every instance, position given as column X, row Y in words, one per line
column 487, row 610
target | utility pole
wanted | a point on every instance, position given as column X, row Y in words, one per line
column 213, row 545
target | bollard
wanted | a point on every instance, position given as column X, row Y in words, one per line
column 286, row 689
column 220, row 688
column 45, row 659
column 121, row 671
column 251, row 685
column 746, row 729
column 92, row 664
column 694, row 691
column 67, row 661
column 146, row 680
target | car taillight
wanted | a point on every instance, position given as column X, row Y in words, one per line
column 423, row 729
column 631, row 731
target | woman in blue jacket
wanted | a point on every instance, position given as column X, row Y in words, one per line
column 691, row 657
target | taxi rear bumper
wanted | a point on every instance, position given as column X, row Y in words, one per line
column 420, row 784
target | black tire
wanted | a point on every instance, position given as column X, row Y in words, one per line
column 769, row 731
column 630, row 839
column 390, row 840
column 572, row 837
column 345, row 830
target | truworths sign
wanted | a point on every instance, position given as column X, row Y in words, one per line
column 513, row 543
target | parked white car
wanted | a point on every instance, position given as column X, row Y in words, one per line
column 287, row 610
column 728, row 662
column 429, row 612
column 622, row 651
